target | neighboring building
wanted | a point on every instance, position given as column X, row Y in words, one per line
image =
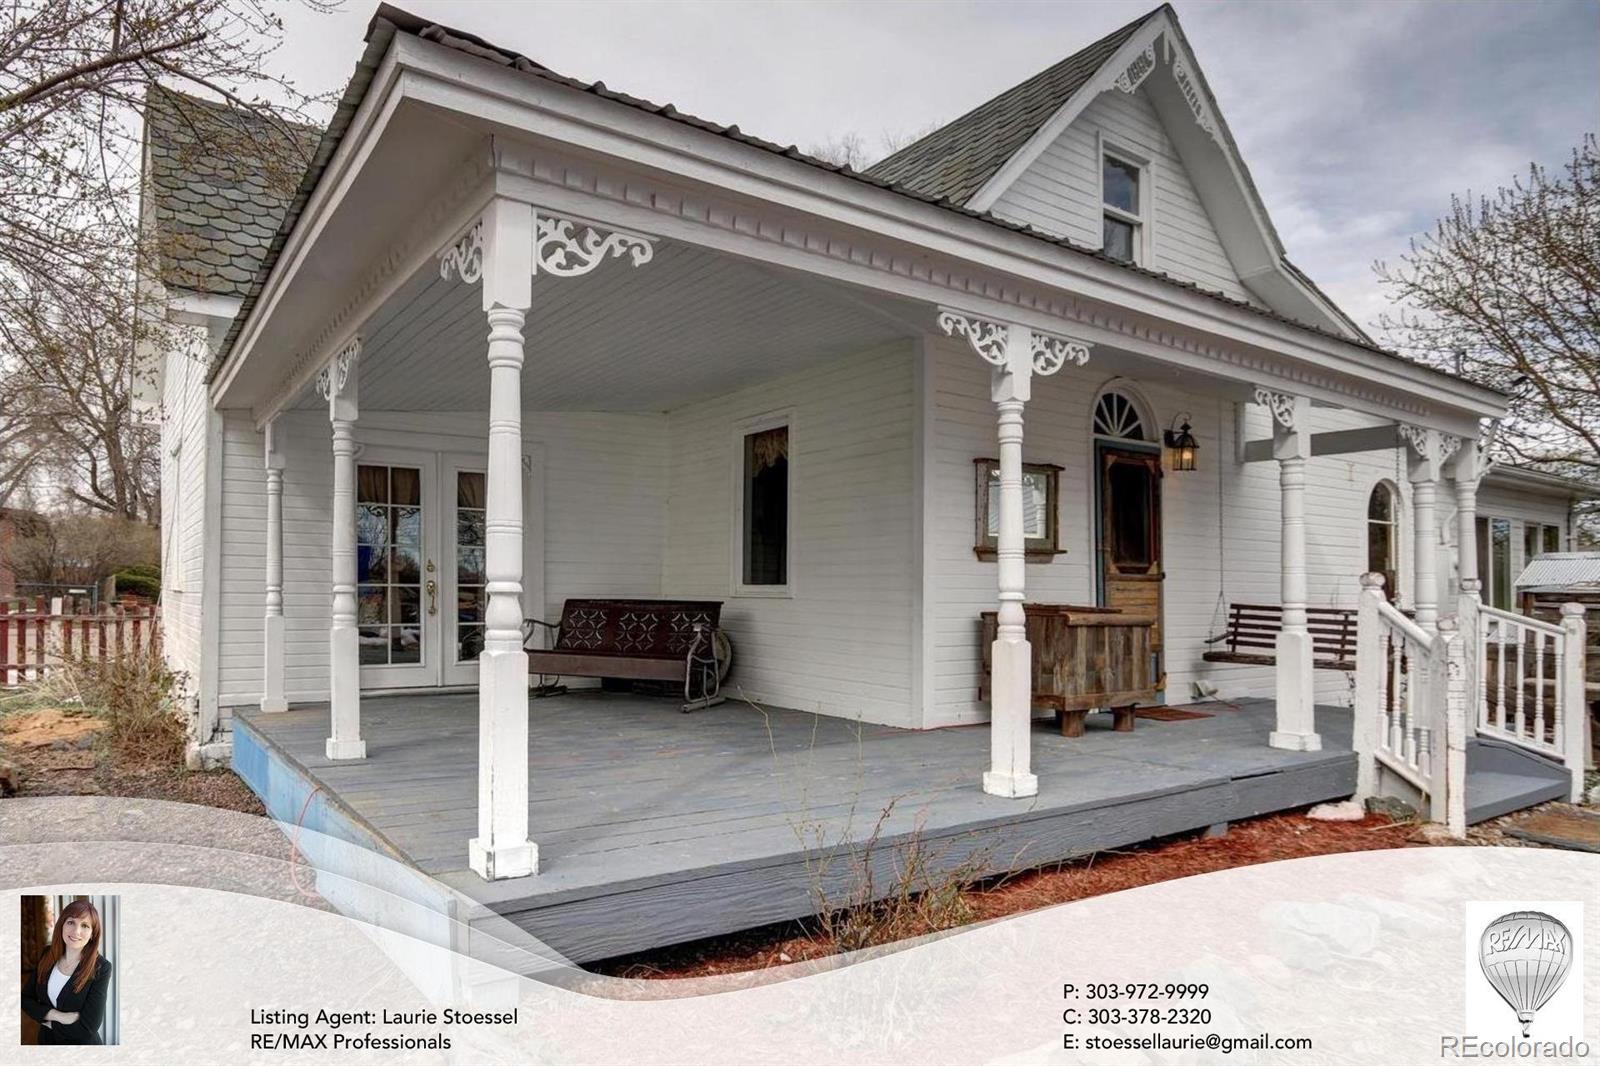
column 720, row 370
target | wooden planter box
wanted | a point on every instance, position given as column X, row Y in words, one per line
column 1084, row 658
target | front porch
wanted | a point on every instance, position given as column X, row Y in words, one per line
column 656, row 827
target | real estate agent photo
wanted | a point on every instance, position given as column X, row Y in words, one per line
column 67, row 982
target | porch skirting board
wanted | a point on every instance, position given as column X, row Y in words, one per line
column 668, row 828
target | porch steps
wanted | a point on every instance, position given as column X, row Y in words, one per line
column 1502, row 778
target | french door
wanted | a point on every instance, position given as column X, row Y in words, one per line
column 420, row 563
column 397, row 573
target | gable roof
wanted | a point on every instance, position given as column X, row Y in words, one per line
column 218, row 182
column 957, row 159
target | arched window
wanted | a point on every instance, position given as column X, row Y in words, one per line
column 1117, row 415
column 1383, row 554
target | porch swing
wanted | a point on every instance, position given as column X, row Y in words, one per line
column 1250, row 636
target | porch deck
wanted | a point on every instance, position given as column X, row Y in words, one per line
column 656, row 827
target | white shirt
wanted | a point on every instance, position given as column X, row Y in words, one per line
column 58, row 981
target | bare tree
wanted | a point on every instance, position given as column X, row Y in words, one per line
column 72, row 415
column 1506, row 291
column 74, row 77
column 78, row 548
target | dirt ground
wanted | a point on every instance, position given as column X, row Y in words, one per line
column 55, row 753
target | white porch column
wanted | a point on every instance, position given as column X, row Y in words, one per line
column 504, row 249
column 272, row 697
column 1428, row 448
column 1296, row 728
column 1016, row 353
column 1467, row 471
column 337, row 383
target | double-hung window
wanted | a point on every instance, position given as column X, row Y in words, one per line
column 762, row 563
column 1124, row 196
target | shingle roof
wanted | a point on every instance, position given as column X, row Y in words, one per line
column 955, row 160
column 218, row 184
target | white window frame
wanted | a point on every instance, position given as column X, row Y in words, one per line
column 1140, row 220
column 742, row 429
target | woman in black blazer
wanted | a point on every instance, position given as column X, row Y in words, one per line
column 66, row 993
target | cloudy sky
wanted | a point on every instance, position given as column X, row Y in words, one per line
column 1358, row 120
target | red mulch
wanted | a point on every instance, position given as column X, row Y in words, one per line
column 1267, row 839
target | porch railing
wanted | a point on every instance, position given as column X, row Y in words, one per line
column 1530, row 684
column 1401, row 721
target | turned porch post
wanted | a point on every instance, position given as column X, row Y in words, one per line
column 1427, row 449
column 337, row 383
column 502, row 848
column 1467, row 471
column 504, row 249
column 272, row 697
column 1015, row 353
column 1296, row 726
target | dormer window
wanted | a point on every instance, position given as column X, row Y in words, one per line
column 1123, row 199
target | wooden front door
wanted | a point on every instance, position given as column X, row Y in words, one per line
column 1130, row 538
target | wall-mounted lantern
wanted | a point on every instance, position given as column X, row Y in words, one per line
column 1180, row 441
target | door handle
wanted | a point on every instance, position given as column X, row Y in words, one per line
column 433, row 596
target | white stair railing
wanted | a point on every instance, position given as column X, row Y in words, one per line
column 1400, row 720
column 1530, row 688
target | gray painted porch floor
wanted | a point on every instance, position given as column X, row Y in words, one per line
column 631, row 800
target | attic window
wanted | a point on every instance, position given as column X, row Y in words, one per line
column 1123, row 201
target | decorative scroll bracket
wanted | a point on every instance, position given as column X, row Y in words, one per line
column 1016, row 352
column 563, row 247
column 1281, row 404
column 333, row 379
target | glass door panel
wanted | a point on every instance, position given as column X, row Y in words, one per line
column 392, row 572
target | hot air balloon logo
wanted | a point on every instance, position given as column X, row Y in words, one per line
column 1525, row 955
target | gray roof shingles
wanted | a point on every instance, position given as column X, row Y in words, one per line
column 954, row 161
column 220, row 180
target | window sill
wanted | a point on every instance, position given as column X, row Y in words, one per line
column 763, row 592
column 1042, row 555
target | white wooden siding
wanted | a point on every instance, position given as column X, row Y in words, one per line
column 605, row 525
column 842, row 644
column 1060, row 193
column 186, row 414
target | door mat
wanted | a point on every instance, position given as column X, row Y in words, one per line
column 1574, row 830
column 1169, row 714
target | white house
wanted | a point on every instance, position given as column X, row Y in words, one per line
column 364, row 494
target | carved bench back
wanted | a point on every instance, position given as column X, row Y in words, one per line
column 638, row 629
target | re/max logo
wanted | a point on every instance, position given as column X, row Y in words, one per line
column 288, row 1041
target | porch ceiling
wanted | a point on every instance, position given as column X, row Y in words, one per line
column 688, row 324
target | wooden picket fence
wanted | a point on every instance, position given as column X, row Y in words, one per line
column 36, row 635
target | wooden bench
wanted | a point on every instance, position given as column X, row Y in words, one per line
column 1253, row 626
column 637, row 640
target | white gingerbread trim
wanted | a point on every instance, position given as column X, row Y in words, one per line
column 333, row 377
column 987, row 337
column 465, row 256
column 1140, row 67
column 1281, row 404
column 1050, row 352
column 561, row 250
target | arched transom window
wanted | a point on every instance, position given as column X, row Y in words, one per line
column 1115, row 415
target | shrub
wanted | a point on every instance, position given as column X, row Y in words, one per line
column 142, row 581
column 135, row 695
